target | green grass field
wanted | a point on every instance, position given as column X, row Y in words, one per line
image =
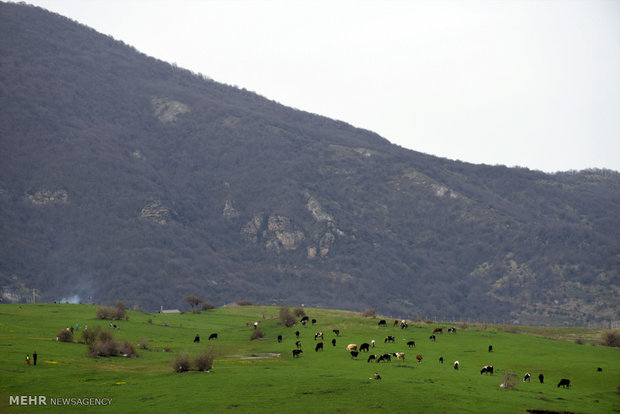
column 248, row 377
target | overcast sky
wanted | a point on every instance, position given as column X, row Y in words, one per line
column 513, row 82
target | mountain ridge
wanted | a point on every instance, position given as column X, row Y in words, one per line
column 125, row 177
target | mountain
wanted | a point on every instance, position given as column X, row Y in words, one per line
column 123, row 177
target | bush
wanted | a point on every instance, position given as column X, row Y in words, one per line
column 244, row 303
column 204, row 361
column 144, row 343
column 112, row 313
column 369, row 313
column 88, row 336
column 299, row 312
column 257, row 334
column 181, row 363
column 127, row 349
column 580, row 341
column 610, row 338
column 509, row 380
column 64, row 336
column 207, row 306
column 286, row 316
column 463, row 325
column 101, row 343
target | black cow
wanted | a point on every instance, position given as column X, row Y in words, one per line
column 411, row 344
column 487, row 369
column 490, row 348
column 365, row 347
column 297, row 334
column 527, row 377
column 298, row 344
column 334, row 342
column 213, row 336
column 197, row 338
column 541, row 378
column 389, row 338
column 432, row 337
column 336, row 331
column 441, row 360
column 313, row 321
column 279, row 338
column 385, row 357
column 296, row 353
column 304, row 319
column 564, row 383
column 318, row 347
column 382, row 322
column 372, row 358
column 354, row 354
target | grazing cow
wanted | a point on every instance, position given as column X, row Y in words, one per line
column 365, row 347
column 564, row 383
column 487, row 369
column 395, row 322
column 389, row 338
column 296, row 353
column 441, row 360
column 318, row 347
column 411, row 344
column 334, row 342
column 382, row 322
column 213, row 336
column 599, row 369
column 313, row 321
column 372, row 343
column 298, row 344
column 351, row 347
column 255, row 325
column 304, row 319
column 432, row 337
column 456, row 365
column 279, row 338
column 541, row 378
column 318, row 335
column 527, row 377
column 385, row 357
column 377, row 376
column 437, row 330
column 354, row 354
column 372, row 358
column 452, row 329
column 297, row 334
column 419, row 358
column 197, row 338
column 403, row 324
column 336, row 331
column 399, row 355
column 490, row 348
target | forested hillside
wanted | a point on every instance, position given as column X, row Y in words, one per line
column 123, row 177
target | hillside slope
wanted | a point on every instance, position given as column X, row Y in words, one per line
column 125, row 177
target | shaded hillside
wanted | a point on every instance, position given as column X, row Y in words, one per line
column 125, row 177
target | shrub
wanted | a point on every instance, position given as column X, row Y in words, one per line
column 463, row 325
column 64, row 336
column 204, row 361
column 509, row 380
column 112, row 313
column 181, row 363
column 88, row 336
column 610, row 338
column 149, row 321
column 144, row 343
column 105, row 347
column 127, row 349
column 286, row 316
column 257, row 334
column 580, row 341
column 244, row 303
column 207, row 306
column 369, row 313
column 299, row 312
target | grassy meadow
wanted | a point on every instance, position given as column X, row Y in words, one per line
column 261, row 376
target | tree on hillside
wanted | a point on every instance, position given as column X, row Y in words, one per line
column 194, row 301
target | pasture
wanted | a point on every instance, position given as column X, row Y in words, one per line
column 251, row 376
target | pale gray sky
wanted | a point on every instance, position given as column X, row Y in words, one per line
column 513, row 82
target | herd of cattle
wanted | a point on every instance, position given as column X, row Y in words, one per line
column 354, row 350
